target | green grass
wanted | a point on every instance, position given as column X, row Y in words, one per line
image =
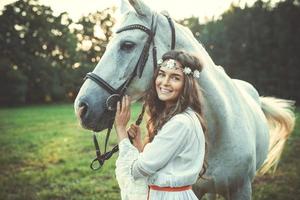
column 45, row 154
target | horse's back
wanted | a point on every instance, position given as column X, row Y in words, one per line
column 261, row 134
column 239, row 144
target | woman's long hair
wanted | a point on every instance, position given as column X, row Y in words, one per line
column 191, row 96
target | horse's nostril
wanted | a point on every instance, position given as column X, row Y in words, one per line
column 82, row 109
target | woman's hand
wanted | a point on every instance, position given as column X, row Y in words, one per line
column 135, row 133
column 122, row 117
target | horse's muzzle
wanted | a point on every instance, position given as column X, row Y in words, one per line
column 92, row 117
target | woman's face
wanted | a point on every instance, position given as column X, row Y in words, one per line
column 169, row 83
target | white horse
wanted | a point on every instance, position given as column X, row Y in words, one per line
column 246, row 132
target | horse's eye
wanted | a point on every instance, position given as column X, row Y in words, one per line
column 127, row 46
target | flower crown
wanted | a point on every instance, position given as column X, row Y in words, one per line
column 171, row 64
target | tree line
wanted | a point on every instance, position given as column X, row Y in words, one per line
column 44, row 57
column 259, row 44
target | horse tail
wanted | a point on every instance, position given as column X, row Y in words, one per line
column 281, row 122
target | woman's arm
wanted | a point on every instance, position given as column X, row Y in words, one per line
column 130, row 188
column 121, row 120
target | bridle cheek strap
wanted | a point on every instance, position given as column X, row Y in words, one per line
column 97, row 79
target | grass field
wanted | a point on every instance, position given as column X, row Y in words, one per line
column 45, row 154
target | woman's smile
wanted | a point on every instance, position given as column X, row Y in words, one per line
column 165, row 90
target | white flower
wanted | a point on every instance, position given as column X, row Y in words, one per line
column 171, row 63
column 187, row 70
column 196, row 74
column 160, row 61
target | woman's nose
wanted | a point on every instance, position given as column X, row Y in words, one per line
column 165, row 81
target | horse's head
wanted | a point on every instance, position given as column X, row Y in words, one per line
column 125, row 67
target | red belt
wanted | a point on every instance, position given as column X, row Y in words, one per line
column 168, row 189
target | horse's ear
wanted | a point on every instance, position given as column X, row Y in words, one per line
column 124, row 7
column 140, row 7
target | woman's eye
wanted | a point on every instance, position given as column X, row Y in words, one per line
column 175, row 78
column 127, row 46
column 160, row 74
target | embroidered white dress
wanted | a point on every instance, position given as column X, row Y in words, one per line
column 173, row 159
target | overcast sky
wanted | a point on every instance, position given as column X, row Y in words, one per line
column 178, row 9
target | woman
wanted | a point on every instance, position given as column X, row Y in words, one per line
column 173, row 155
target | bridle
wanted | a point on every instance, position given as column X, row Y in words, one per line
column 116, row 94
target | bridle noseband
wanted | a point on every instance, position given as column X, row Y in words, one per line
column 116, row 94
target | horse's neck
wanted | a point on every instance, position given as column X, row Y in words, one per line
column 186, row 41
column 222, row 98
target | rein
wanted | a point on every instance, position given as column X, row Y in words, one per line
column 116, row 94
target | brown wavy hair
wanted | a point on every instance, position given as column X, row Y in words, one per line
column 191, row 96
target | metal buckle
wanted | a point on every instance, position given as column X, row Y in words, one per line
column 111, row 102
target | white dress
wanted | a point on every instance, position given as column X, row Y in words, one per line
column 173, row 159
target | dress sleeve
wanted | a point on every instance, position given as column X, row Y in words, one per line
column 165, row 145
column 131, row 189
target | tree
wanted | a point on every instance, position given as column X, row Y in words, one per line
column 44, row 57
column 93, row 33
column 34, row 44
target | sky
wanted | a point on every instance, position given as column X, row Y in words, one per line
column 178, row 9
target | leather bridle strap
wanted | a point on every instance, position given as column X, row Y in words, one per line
column 139, row 67
column 173, row 42
column 101, row 158
column 102, row 83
